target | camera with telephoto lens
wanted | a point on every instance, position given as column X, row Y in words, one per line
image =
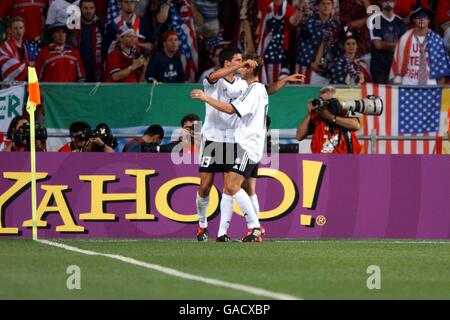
column 21, row 135
column 371, row 106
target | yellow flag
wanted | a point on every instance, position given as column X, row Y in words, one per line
column 34, row 93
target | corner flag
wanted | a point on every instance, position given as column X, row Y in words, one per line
column 34, row 98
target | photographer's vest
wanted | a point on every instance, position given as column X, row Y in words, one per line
column 330, row 140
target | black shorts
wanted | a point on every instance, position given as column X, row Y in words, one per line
column 242, row 164
column 215, row 155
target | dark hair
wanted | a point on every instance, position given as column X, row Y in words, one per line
column 155, row 129
column 78, row 126
column 15, row 19
column 259, row 60
column 189, row 117
column 317, row 2
column 227, row 54
column 83, row 1
column 13, row 124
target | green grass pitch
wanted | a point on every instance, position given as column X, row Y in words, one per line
column 308, row 269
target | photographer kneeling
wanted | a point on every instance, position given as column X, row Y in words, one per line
column 332, row 130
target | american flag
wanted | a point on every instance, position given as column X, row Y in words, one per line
column 271, row 44
column 438, row 58
column 183, row 24
column 112, row 12
column 407, row 111
column 313, row 32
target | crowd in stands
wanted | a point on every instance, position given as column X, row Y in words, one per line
column 175, row 41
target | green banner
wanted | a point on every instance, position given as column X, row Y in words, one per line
column 134, row 105
column 11, row 105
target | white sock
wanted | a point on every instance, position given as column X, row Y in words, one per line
column 255, row 204
column 246, row 206
column 202, row 205
column 226, row 213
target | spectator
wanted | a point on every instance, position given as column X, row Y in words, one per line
column 153, row 136
column 420, row 56
column 166, row 65
column 349, row 68
column 59, row 62
column 128, row 19
column 181, row 16
column 208, row 9
column 33, row 13
column 248, row 26
column 356, row 18
column 277, row 18
column 124, row 63
column 88, row 40
column 188, row 142
column 57, row 12
column 215, row 59
column 385, row 29
column 16, row 53
column 331, row 133
column 318, row 46
column 404, row 8
column 309, row 7
column 78, row 131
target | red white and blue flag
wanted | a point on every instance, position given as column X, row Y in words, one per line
column 183, row 24
column 438, row 58
column 271, row 42
column 112, row 12
column 408, row 112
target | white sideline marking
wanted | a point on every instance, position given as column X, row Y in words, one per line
column 176, row 273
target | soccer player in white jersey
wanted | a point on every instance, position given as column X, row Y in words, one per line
column 218, row 128
column 251, row 108
column 218, row 133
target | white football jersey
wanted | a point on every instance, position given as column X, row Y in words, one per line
column 251, row 108
column 219, row 126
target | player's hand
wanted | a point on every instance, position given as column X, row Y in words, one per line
column 250, row 64
column 198, row 94
column 296, row 77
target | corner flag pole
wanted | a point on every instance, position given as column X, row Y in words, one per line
column 34, row 98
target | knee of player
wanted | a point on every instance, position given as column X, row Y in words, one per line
column 231, row 189
column 204, row 189
column 248, row 189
